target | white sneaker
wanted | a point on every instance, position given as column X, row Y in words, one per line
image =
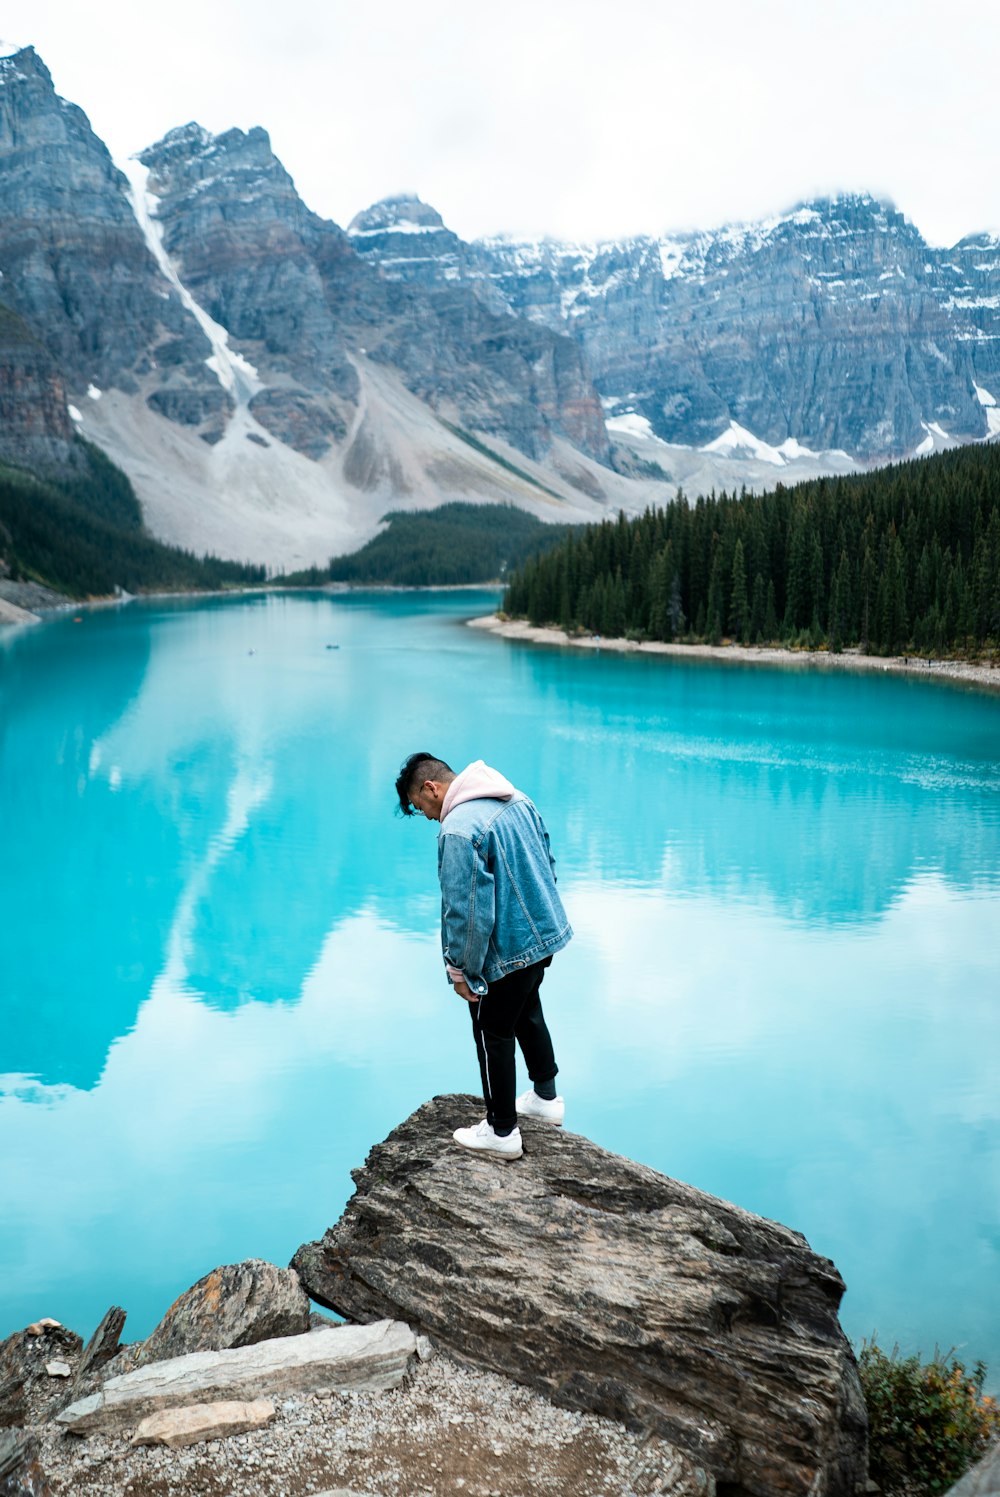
column 483, row 1139
column 531, row 1105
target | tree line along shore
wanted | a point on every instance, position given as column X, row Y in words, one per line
column 902, row 559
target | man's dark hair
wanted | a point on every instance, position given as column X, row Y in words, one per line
column 414, row 771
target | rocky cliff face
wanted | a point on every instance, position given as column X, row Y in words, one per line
column 298, row 302
column 35, row 427
column 835, row 326
column 74, row 262
column 241, row 242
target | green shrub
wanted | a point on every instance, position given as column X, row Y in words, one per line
column 928, row 1421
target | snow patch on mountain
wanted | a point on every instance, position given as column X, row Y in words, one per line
column 630, row 424
column 737, row 441
column 399, row 226
column 234, row 373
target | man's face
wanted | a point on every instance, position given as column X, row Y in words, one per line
column 428, row 798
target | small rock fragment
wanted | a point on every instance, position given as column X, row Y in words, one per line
column 58, row 1369
column 39, row 1327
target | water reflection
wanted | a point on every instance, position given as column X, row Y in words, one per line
column 221, row 981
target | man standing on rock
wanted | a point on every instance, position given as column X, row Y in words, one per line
column 501, row 922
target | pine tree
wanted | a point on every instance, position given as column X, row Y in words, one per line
column 738, row 611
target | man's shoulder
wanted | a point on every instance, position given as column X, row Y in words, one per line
column 473, row 817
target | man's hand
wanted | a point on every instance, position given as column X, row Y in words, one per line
column 464, row 991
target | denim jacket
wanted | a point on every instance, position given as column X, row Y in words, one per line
column 499, row 906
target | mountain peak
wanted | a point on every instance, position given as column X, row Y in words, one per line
column 23, row 62
column 402, row 213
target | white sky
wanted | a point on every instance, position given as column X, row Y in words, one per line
column 574, row 118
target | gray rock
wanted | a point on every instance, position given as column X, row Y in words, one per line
column 15, row 1450
column 612, row 1289
column 236, row 1305
column 103, row 1344
column 27, row 1391
column 177, row 1428
column 983, row 1480
column 348, row 1358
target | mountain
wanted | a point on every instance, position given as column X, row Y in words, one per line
column 832, row 327
column 270, row 393
column 273, row 384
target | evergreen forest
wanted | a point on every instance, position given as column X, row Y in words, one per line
column 453, row 544
column 902, row 559
column 82, row 534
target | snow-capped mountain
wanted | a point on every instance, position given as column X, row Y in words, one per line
column 832, row 327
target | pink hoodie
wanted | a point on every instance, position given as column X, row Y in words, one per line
column 476, row 782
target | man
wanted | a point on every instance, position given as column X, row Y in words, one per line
column 501, row 922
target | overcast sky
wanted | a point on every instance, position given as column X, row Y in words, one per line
column 562, row 117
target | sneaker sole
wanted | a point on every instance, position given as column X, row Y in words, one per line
column 490, row 1153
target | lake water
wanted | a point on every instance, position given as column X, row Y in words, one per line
column 220, row 978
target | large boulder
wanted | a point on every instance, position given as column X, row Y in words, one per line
column 236, row 1305
column 612, row 1289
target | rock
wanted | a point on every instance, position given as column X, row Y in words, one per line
column 103, row 1344
column 318, row 1322
column 612, row 1289
column 349, row 1358
column 26, row 1391
column 15, row 1448
column 983, row 1480
column 21, row 1475
column 237, row 1305
column 58, row 1369
column 203, row 1421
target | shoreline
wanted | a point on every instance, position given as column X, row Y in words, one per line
column 956, row 672
column 12, row 612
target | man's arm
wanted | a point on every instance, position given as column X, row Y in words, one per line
column 468, row 910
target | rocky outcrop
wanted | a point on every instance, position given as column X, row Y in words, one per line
column 240, row 1304
column 27, row 1387
column 343, row 1359
column 611, row 1288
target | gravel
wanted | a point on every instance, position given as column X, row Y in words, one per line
column 447, row 1429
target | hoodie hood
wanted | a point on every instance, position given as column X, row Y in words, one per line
column 476, row 782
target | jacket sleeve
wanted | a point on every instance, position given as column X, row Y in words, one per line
column 468, row 909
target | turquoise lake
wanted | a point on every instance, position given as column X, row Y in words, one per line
column 220, row 975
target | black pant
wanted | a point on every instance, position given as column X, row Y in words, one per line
column 510, row 1011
